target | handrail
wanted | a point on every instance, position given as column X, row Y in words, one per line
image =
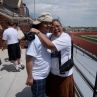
column 92, row 87
column 90, row 55
column 15, row 13
column 6, row 12
column 95, row 88
column 85, row 78
column 10, row 8
column 77, row 90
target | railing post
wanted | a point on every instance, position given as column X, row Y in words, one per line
column 95, row 88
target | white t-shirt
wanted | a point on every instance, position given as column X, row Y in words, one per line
column 10, row 35
column 63, row 44
column 41, row 59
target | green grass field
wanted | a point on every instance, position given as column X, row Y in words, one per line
column 89, row 38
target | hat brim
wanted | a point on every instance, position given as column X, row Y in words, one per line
column 36, row 22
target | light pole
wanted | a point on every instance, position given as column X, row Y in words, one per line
column 34, row 9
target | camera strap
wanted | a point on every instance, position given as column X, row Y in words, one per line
column 59, row 53
column 71, row 54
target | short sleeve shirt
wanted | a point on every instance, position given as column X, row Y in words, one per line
column 63, row 44
column 41, row 59
column 10, row 35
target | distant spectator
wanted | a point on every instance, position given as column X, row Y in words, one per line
column 18, row 28
column 10, row 36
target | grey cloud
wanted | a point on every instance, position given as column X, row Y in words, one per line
column 67, row 10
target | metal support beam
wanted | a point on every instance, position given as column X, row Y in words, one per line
column 95, row 88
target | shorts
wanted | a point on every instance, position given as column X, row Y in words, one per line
column 14, row 51
column 38, row 88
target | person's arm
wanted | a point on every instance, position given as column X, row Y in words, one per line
column 3, row 45
column 46, row 42
column 1, row 27
column 29, row 66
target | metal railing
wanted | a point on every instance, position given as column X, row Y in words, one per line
column 15, row 12
column 95, row 88
column 87, row 81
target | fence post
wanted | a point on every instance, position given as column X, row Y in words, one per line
column 95, row 88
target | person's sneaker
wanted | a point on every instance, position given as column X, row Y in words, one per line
column 6, row 59
column 22, row 67
column 16, row 70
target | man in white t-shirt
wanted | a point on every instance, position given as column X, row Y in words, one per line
column 10, row 37
column 38, row 59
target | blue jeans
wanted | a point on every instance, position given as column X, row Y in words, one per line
column 38, row 88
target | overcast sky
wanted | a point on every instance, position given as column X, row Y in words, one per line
column 74, row 13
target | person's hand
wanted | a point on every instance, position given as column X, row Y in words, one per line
column 29, row 81
column 33, row 30
column 2, row 48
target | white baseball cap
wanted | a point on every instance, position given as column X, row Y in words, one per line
column 43, row 17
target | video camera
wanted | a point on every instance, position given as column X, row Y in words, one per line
column 29, row 36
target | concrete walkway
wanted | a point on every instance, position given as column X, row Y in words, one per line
column 13, row 83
